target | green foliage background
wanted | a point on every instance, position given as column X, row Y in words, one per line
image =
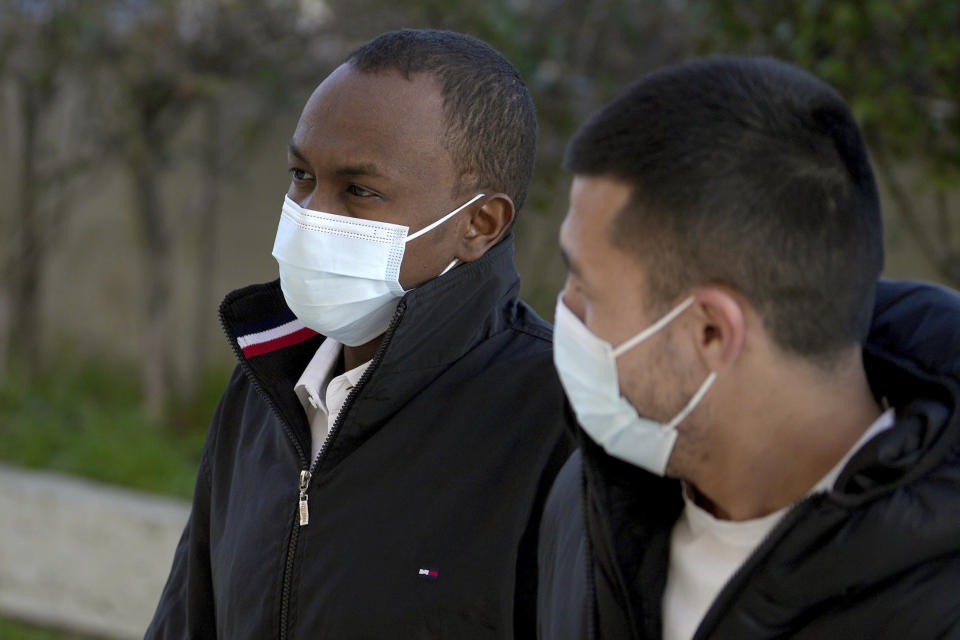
column 85, row 417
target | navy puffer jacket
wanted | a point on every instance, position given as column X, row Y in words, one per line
column 877, row 557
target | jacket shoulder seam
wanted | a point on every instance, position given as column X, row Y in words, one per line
column 536, row 332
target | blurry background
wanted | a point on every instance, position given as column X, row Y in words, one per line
column 142, row 169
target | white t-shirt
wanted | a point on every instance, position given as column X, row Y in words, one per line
column 705, row 551
column 322, row 397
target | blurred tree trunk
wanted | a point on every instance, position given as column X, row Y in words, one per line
column 156, row 371
column 43, row 198
column 207, row 241
column 29, row 260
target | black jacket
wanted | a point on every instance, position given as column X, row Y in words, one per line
column 424, row 507
column 877, row 557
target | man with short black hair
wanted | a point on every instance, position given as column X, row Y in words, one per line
column 757, row 459
column 378, row 463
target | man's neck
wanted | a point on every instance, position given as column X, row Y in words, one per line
column 353, row 357
column 790, row 428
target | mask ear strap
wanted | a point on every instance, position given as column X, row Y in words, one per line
column 433, row 225
column 652, row 329
column 694, row 401
column 449, row 266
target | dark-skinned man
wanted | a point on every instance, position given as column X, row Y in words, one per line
column 379, row 460
column 770, row 442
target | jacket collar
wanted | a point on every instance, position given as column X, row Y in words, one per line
column 434, row 325
column 911, row 363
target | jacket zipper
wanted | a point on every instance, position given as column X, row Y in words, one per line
column 303, row 508
column 593, row 628
column 292, row 542
column 348, row 402
column 302, row 513
column 591, row 586
column 307, row 474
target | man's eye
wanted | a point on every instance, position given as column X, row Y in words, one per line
column 360, row 192
column 299, row 174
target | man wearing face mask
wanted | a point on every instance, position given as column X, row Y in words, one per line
column 378, row 464
column 770, row 442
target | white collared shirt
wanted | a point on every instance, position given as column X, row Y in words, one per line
column 705, row 551
column 322, row 397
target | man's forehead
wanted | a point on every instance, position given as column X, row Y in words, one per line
column 386, row 99
column 585, row 237
column 595, row 201
column 380, row 119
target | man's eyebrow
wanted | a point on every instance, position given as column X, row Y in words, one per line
column 292, row 148
column 363, row 169
column 367, row 169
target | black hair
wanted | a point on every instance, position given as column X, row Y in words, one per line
column 752, row 173
column 491, row 125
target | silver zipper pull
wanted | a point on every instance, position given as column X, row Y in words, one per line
column 304, row 509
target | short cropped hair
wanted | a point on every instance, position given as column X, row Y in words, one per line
column 751, row 173
column 491, row 125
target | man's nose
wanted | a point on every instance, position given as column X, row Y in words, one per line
column 314, row 202
column 321, row 199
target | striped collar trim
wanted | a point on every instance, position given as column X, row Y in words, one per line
column 272, row 333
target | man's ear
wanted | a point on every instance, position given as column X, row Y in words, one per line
column 487, row 224
column 721, row 325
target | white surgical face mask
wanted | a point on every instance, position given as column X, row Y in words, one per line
column 587, row 366
column 341, row 276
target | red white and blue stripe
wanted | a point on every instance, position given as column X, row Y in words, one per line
column 272, row 333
